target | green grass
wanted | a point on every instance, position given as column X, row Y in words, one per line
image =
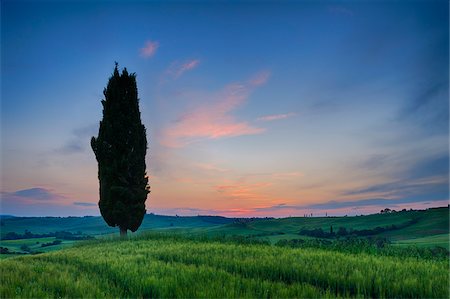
column 177, row 267
column 34, row 245
column 97, row 226
column 441, row 240
column 428, row 223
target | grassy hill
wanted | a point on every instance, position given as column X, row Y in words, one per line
column 411, row 227
column 176, row 267
column 423, row 228
column 95, row 225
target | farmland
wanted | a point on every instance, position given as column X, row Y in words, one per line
column 423, row 228
column 171, row 266
column 402, row 254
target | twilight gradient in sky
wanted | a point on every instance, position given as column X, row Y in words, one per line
column 269, row 109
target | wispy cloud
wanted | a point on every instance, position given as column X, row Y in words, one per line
column 211, row 166
column 423, row 175
column 184, row 211
column 177, row 69
column 71, row 147
column 375, row 203
column 32, row 194
column 243, row 191
column 41, row 202
column 84, row 204
column 36, row 193
column 214, row 120
column 260, row 78
column 149, row 49
column 80, row 140
column 405, row 188
column 428, row 109
column 273, row 117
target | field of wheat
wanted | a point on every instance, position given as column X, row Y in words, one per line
column 170, row 267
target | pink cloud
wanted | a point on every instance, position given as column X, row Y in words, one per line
column 276, row 116
column 213, row 120
column 176, row 69
column 210, row 166
column 188, row 65
column 149, row 49
column 242, row 191
column 260, row 78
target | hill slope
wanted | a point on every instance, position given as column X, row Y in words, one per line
column 176, row 267
column 95, row 225
column 425, row 228
column 408, row 226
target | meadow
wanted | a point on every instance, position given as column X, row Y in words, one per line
column 413, row 227
column 159, row 265
column 402, row 254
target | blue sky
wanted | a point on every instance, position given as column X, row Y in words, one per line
column 268, row 109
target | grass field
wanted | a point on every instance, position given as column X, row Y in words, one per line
column 35, row 244
column 426, row 228
column 427, row 223
column 96, row 225
column 170, row 267
column 441, row 240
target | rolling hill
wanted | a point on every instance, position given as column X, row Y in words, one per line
column 422, row 227
column 179, row 267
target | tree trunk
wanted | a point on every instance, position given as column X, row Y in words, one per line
column 123, row 232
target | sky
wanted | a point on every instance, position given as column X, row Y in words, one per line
column 268, row 109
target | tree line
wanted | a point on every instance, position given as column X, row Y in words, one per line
column 343, row 232
column 64, row 235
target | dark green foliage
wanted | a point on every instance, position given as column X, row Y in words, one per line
column 60, row 234
column 25, row 248
column 342, row 231
column 120, row 149
column 56, row 242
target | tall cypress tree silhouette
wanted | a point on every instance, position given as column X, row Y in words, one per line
column 120, row 150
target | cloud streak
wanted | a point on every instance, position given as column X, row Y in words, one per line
column 177, row 69
column 363, row 203
column 35, row 194
column 242, row 191
column 275, row 117
column 79, row 141
column 214, row 120
column 149, row 49
column 84, row 204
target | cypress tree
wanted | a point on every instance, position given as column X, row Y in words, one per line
column 120, row 150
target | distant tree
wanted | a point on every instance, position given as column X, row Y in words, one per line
column 120, row 150
column 25, row 248
column 342, row 231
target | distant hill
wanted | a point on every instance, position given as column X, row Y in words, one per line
column 421, row 227
column 95, row 225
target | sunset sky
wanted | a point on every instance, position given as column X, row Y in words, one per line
column 269, row 109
